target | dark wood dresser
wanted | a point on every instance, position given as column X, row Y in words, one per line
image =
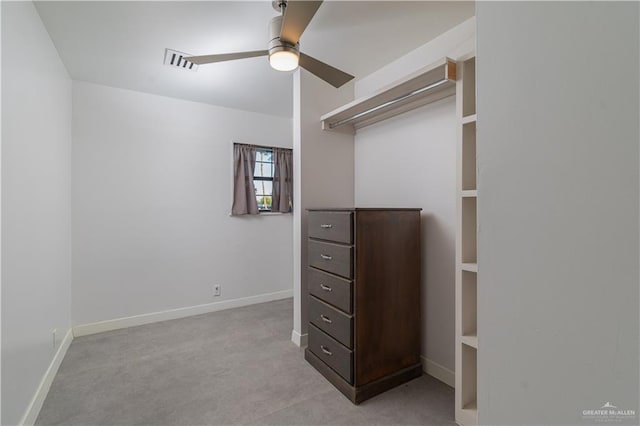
column 364, row 298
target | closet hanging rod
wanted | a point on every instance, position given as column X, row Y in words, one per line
column 387, row 104
column 424, row 86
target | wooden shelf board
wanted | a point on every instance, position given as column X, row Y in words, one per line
column 469, row 193
column 444, row 69
column 470, row 340
column 469, row 119
column 471, row 267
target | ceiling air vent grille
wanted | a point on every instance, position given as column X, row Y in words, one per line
column 173, row 58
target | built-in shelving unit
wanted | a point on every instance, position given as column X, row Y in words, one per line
column 467, row 248
column 430, row 84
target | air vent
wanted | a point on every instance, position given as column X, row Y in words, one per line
column 173, row 58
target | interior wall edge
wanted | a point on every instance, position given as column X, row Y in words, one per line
column 300, row 340
column 35, row 405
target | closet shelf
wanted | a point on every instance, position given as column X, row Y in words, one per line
column 470, row 267
column 471, row 408
column 470, row 340
column 430, row 84
column 469, row 193
column 469, row 119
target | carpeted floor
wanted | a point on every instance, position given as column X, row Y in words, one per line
column 231, row 367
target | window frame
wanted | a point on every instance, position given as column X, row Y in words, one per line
column 264, row 178
column 264, row 213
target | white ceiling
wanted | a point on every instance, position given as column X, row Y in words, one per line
column 121, row 44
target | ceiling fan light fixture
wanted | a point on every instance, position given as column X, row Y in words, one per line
column 284, row 60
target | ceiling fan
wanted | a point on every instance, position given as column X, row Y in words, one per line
column 284, row 47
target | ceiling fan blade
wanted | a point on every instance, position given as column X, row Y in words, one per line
column 297, row 16
column 208, row 59
column 331, row 75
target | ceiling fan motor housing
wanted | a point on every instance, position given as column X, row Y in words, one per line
column 275, row 43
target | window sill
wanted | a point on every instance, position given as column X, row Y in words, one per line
column 262, row 214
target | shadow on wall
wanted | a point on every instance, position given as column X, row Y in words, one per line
column 438, row 286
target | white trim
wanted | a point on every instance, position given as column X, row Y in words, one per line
column 300, row 340
column 33, row 409
column 438, row 371
column 116, row 324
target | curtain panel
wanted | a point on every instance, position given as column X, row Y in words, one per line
column 282, row 200
column 244, row 196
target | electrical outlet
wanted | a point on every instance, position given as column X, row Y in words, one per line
column 216, row 290
column 55, row 340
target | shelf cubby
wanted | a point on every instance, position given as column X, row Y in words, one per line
column 469, row 326
column 469, row 170
column 469, row 225
column 469, row 87
column 469, row 376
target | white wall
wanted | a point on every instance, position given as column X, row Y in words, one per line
column 558, row 210
column 453, row 43
column 151, row 202
column 36, row 208
column 410, row 161
column 323, row 173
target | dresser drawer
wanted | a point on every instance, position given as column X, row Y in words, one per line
column 330, row 320
column 334, row 290
column 336, row 356
column 330, row 257
column 333, row 226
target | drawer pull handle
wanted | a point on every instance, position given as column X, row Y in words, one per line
column 325, row 350
column 325, row 319
column 325, row 287
column 326, row 257
column 326, row 226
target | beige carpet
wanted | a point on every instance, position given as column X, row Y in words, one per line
column 231, row 367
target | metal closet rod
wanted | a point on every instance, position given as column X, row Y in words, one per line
column 388, row 103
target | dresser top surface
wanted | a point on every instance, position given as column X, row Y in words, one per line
column 356, row 209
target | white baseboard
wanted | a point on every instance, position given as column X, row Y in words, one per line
column 299, row 339
column 33, row 409
column 116, row 324
column 438, row 371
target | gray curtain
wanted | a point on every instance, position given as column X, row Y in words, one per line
column 244, row 195
column 282, row 200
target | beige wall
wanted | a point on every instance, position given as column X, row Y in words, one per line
column 323, row 172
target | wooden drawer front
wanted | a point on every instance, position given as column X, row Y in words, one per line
column 333, row 226
column 336, row 356
column 333, row 290
column 330, row 320
column 330, row 257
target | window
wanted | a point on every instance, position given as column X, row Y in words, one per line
column 263, row 178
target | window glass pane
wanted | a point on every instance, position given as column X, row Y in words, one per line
column 268, row 187
column 267, row 169
column 264, row 202
column 263, row 169
column 257, row 184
